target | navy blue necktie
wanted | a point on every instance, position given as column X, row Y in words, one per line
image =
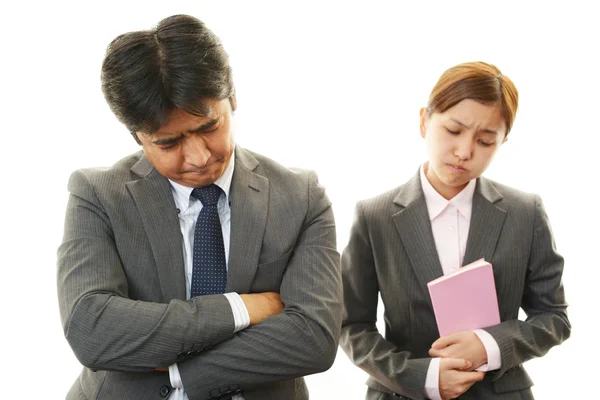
column 209, row 273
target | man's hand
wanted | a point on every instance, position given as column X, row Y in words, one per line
column 456, row 378
column 262, row 305
column 465, row 345
column 259, row 306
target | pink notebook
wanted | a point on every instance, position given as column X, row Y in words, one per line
column 465, row 299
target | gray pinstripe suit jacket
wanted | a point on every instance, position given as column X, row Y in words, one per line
column 121, row 285
column 391, row 252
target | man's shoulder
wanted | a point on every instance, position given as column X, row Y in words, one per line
column 123, row 166
column 274, row 171
column 105, row 177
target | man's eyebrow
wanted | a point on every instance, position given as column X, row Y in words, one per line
column 207, row 125
column 491, row 132
column 169, row 140
column 203, row 127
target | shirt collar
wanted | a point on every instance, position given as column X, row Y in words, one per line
column 182, row 194
column 436, row 203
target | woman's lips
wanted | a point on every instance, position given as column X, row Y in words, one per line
column 457, row 169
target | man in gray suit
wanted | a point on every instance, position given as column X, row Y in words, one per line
column 194, row 268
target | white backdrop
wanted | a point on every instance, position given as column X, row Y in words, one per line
column 331, row 86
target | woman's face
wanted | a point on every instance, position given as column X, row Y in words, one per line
column 461, row 143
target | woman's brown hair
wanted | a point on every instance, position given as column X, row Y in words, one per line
column 477, row 81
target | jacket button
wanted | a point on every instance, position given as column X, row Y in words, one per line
column 164, row 391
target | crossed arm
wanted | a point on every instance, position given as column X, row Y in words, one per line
column 110, row 331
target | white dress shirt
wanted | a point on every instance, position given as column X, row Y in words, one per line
column 450, row 221
column 188, row 209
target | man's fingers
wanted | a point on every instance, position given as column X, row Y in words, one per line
column 457, row 363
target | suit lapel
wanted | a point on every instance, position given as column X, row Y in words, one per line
column 414, row 227
column 249, row 209
column 154, row 200
column 487, row 220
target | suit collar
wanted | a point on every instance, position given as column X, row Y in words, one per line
column 410, row 192
column 249, row 207
column 154, row 201
column 182, row 194
column 436, row 203
column 143, row 166
column 249, row 210
column 412, row 222
column 246, row 158
column 413, row 225
column 487, row 190
column 487, row 221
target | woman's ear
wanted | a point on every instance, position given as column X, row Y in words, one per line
column 423, row 121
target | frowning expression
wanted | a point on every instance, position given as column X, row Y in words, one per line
column 461, row 143
column 191, row 150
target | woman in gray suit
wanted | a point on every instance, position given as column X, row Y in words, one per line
column 445, row 217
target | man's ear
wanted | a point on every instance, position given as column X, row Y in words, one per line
column 136, row 136
column 423, row 121
column 233, row 100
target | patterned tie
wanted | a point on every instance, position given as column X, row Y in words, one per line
column 209, row 273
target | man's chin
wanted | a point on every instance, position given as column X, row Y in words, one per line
column 197, row 181
column 200, row 177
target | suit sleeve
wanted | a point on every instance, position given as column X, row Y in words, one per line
column 303, row 338
column 543, row 302
column 392, row 367
column 105, row 328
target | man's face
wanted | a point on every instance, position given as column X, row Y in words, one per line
column 461, row 143
column 190, row 150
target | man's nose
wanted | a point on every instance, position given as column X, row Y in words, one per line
column 196, row 151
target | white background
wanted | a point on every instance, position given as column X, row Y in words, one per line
column 331, row 86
